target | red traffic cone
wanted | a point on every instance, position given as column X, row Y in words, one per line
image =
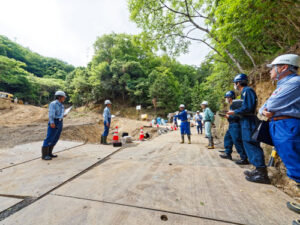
column 116, row 136
column 157, row 125
column 171, row 127
column 175, row 128
column 141, row 134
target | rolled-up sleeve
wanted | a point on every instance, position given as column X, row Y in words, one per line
column 287, row 96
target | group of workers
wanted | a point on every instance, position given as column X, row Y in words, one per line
column 282, row 110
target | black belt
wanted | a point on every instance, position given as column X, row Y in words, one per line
column 58, row 119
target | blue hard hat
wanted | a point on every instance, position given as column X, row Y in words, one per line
column 240, row 77
column 230, row 94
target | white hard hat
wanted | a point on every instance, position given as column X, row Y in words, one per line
column 181, row 106
column 107, row 102
column 204, row 103
column 60, row 93
column 198, row 111
column 287, row 59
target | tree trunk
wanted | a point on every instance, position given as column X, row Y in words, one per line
column 246, row 51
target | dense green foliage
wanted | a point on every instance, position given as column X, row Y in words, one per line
column 128, row 69
column 36, row 64
column 241, row 34
column 121, row 70
column 29, row 76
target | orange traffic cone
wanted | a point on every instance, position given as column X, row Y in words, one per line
column 116, row 136
column 171, row 127
column 141, row 134
column 157, row 125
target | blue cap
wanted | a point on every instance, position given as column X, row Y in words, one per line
column 230, row 94
column 240, row 77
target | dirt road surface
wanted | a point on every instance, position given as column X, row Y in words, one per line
column 156, row 182
column 26, row 123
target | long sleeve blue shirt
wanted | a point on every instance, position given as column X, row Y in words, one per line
column 106, row 114
column 56, row 111
column 233, row 118
column 249, row 98
column 182, row 115
column 285, row 100
column 208, row 115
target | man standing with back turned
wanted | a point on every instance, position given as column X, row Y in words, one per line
column 248, row 123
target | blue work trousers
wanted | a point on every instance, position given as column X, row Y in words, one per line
column 53, row 134
column 106, row 128
column 185, row 128
column 199, row 127
column 254, row 151
column 286, row 138
column 232, row 137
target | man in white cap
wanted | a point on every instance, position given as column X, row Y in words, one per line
column 283, row 111
column 184, row 126
column 55, row 125
column 208, row 120
column 107, row 121
column 198, row 119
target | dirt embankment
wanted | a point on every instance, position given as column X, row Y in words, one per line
column 26, row 123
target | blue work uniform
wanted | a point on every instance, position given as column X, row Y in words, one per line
column 198, row 119
column 285, row 133
column 184, row 126
column 107, row 121
column 56, row 115
column 175, row 121
column 248, row 123
column 233, row 136
column 208, row 119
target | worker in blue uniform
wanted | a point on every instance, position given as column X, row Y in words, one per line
column 198, row 120
column 233, row 134
column 283, row 111
column 184, row 126
column 106, row 121
column 248, row 123
column 55, row 125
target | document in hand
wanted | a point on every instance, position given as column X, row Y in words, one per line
column 68, row 110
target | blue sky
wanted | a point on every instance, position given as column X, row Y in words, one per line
column 67, row 29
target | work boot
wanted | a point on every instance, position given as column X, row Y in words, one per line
column 260, row 176
column 211, row 143
column 242, row 162
column 226, row 156
column 182, row 139
column 296, row 222
column 293, row 206
column 189, row 137
column 45, row 153
column 102, row 140
column 105, row 140
column 250, row 173
column 50, row 152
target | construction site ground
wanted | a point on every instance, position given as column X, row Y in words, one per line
column 153, row 182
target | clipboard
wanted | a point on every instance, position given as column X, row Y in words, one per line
column 67, row 110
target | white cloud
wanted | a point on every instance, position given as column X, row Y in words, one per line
column 67, row 29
